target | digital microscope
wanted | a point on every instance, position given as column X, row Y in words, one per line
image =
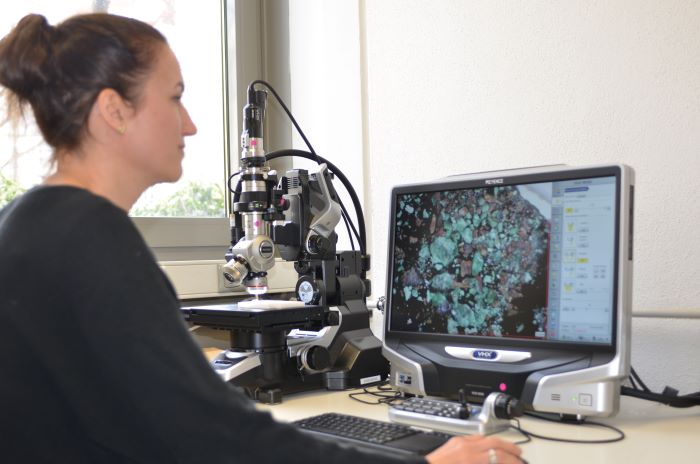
column 321, row 338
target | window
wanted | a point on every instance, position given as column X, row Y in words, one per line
column 194, row 32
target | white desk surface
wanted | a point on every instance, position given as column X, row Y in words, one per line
column 654, row 433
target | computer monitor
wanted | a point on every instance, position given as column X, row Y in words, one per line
column 515, row 281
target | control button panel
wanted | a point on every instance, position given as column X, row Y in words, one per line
column 585, row 399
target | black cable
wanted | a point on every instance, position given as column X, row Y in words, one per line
column 362, row 236
column 347, row 226
column 638, row 379
column 230, row 178
column 286, row 110
column 620, row 437
column 685, row 401
column 237, row 192
column 315, row 157
column 669, row 396
column 344, row 180
column 386, row 394
column 633, row 383
column 517, row 427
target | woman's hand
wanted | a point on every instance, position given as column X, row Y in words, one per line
column 476, row 449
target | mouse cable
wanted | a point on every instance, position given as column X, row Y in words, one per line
column 517, row 427
column 529, row 435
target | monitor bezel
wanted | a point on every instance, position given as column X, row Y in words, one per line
column 505, row 178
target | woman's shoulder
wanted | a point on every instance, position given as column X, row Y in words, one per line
column 62, row 201
column 48, row 211
column 60, row 196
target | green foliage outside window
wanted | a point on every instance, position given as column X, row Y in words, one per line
column 8, row 190
column 194, row 199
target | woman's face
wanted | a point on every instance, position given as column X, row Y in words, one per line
column 157, row 129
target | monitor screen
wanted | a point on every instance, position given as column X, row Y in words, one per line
column 526, row 261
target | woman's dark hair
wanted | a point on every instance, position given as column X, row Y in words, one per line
column 60, row 70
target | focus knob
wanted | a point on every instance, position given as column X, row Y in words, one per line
column 315, row 358
column 507, row 407
column 307, row 290
column 235, row 270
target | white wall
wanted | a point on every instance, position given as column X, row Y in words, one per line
column 462, row 86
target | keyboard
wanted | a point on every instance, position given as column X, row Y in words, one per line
column 372, row 434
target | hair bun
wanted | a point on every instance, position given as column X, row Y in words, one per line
column 24, row 54
column 61, row 70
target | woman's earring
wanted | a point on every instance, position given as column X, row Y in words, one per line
column 122, row 129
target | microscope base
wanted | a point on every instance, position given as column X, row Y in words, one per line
column 267, row 377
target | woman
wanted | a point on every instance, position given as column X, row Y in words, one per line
column 97, row 364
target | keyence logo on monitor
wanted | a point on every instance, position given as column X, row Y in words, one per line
column 484, row 354
column 494, row 181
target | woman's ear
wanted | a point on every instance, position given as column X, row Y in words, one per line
column 113, row 109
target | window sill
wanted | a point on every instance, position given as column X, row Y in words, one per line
column 203, row 279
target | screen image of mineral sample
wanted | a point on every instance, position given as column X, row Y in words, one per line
column 470, row 262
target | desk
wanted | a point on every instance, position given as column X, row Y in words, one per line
column 655, row 433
